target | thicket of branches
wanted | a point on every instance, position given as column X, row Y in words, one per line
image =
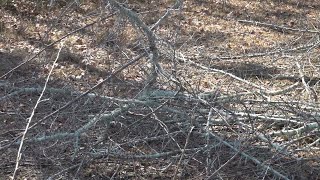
column 144, row 116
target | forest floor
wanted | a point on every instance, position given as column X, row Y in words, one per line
column 264, row 52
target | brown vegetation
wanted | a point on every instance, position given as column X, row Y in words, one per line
column 219, row 89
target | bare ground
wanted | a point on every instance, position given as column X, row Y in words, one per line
column 250, row 69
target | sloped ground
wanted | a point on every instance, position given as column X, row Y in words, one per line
column 248, row 73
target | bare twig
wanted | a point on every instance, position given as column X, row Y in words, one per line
column 256, row 161
column 177, row 5
column 207, row 128
column 135, row 20
column 107, row 117
column 32, row 114
column 48, row 46
column 182, row 154
column 63, row 171
column 296, row 132
column 86, row 93
column 223, row 165
column 91, row 89
column 279, row 28
column 104, row 153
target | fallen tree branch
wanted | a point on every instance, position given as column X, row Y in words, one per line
column 296, row 132
column 279, row 28
column 169, row 154
column 135, row 20
column 256, row 161
column 32, row 114
column 107, row 117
